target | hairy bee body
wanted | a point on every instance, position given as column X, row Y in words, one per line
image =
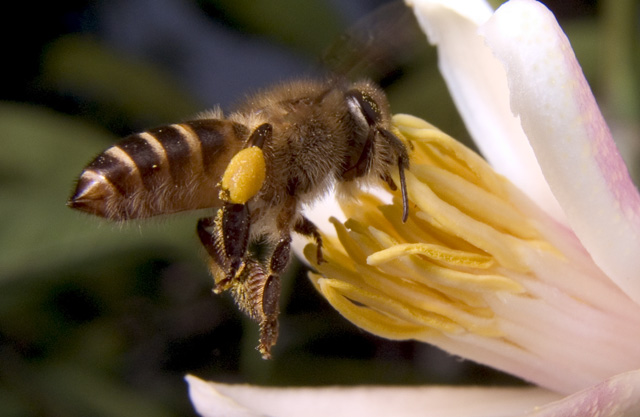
column 311, row 135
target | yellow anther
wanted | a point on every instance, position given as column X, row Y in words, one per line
column 244, row 175
column 436, row 252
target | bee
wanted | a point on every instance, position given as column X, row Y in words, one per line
column 280, row 150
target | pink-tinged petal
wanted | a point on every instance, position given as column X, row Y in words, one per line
column 212, row 399
column 618, row 396
column 478, row 84
column 570, row 138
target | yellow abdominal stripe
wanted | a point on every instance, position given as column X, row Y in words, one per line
column 432, row 275
column 244, row 175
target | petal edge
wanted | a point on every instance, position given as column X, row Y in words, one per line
column 570, row 138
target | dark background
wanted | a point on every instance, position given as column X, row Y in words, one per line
column 102, row 320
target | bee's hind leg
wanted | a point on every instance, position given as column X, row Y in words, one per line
column 226, row 242
column 253, row 283
column 215, row 248
column 256, row 291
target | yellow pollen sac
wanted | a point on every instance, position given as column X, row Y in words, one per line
column 244, row 175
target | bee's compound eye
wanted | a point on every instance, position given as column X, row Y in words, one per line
column 244, row 175
column 363, row 105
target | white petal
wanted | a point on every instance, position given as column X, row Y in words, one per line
column 319, row 213
column 478, row 84
column 570, row 137
column 618, row 396
column 213, row 399
column 208, row 401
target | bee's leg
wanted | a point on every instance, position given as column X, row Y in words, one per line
column 269, row 307
column 267, row 293
column 233, row 222
column 256, row 290
column 269, row 297
column 214, row 246
column 306, row 227
column 227, row 242
column 264, row 288
column 403, row 163
column 254, row 285
column 280, row 256
column 281, row 253
column 257, row 294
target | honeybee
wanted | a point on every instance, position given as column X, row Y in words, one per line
column 280, row 150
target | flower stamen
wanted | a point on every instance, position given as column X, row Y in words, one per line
column 476, row 269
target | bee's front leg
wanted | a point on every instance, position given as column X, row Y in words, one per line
column 306, row 227
column 227, row 242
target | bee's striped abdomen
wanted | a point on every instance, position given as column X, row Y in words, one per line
column 183, row 155
column 209, row 139
column 164, row 170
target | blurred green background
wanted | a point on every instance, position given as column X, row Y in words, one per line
column 105, row 320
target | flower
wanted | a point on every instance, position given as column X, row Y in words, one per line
column 479, row 271
column 537, row 274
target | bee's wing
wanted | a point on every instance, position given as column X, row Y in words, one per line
column 161, row 171
column 378, row 45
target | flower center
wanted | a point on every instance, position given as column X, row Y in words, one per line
column 477, row 270
column 464, row 240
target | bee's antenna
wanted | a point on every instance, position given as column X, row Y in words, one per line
column 403, row 188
